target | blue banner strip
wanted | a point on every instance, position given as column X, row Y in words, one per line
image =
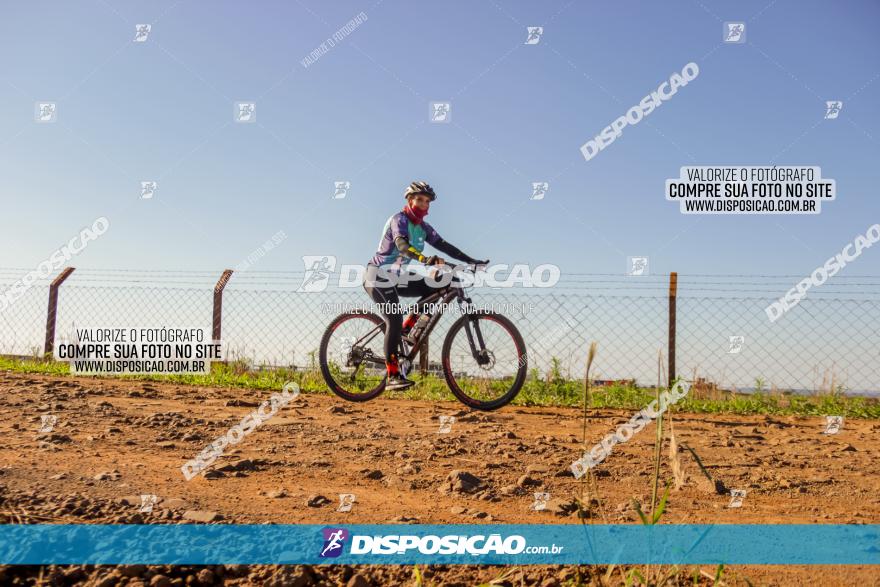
column 405, row 544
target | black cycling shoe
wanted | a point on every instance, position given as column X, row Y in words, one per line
column 397, row 382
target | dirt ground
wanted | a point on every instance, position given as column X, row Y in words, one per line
column 115, row 440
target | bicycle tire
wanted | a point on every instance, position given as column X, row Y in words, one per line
column 521, row 373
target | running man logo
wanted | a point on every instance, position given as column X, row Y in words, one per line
column 637, row 266
column 47, row 423
column 46, row 112
column 534, row 35
column 141, row 32
column 318, row 269
column 245, row 112
column 148, row 189
column 441, row 112
column 735, row 344
column 446, row 423
column 833, row 424
column 342, row 188
column 541, row 500
column 832, row 109
column 346, row 502
column 147, row 503
column 734, row 32
column 736, row 498
column 539, row 190
column 334, row 542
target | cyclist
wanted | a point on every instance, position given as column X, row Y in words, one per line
column 387, row 275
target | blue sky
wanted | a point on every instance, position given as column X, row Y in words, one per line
column 162, row 110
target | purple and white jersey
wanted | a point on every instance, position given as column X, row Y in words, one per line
column 400, row 225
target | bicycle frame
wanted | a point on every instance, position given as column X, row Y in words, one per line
column 444, row 296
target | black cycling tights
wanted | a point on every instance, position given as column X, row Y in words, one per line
column 389, row 298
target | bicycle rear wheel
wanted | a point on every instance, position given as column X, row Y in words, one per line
column 352, row 358
column 484, row 360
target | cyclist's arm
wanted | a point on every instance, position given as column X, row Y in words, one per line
column 451, row 250
column 407, row 250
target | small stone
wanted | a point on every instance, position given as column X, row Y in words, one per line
column 464, row 482
column 374, row 474
column 526, row 481
column 205, row 577
column 174, row 503
column 107, row 475
column 536, row 468
column 848, row 448
column 201, row 516
column 457, row 510
column 277, row 494
column 160, row 581
column 316, row 501
column 358, row 581
column 407, row 470
column 707, row 485
column 131, row 570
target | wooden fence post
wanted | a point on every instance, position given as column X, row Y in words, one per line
column 49, row 344
column 218, row 303
column 673, row 292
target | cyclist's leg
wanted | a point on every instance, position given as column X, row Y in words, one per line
column 415, row 286
column 389, row 301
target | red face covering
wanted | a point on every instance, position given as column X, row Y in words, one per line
column 415, row 214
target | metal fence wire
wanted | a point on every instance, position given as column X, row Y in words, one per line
column 720, row 329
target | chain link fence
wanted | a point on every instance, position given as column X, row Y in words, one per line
column 722, row 333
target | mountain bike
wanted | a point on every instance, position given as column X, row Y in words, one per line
column 483, row 358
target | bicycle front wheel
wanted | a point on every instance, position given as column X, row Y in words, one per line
column 484, row 360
